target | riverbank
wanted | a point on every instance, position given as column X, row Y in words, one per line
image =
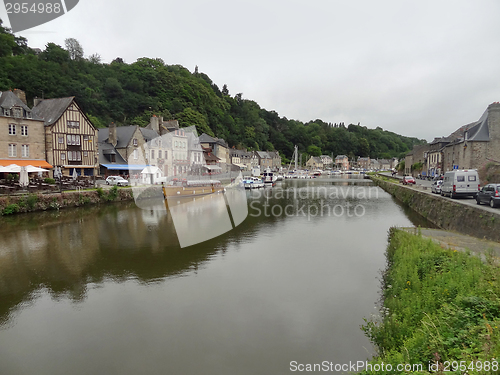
column 438, row 305
column 23, row 203
column 444, row 213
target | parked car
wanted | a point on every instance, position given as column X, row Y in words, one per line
column 489, row 194
column 436, row 186
column 408, row 180
column 116, row 180
column 460, row 183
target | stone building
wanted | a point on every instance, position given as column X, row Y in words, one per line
column 22, row 135
column 479, row 144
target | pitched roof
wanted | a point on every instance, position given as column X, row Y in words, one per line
column 263, row 155
column 479, row 131
column 50, row 110
column 123, row 135
column 148, row 134
column 106, row 149
column 205, row 138
column 8, row 100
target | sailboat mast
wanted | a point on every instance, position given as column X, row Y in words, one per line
column 296, row 152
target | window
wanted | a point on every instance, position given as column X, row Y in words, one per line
column 12, row 129
column 166, row 154
column 60, row 139
column 159, row 154
column 85, row 153
column 12, row 150
column 159, row 142
column 6, row 112
column 136, row 155
column 73, row 124
column 25, row 151
column 152, row 154
column 63, row 156
column 135, row 142
column 472, row 178
column 73, row 140
column 74, row 156
column 24, row 130
column 460, row 178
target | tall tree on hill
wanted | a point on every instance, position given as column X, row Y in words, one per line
column 74, row 49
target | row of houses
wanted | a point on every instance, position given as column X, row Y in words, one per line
column 471, row 146
column 342, row 163
column 57, row 133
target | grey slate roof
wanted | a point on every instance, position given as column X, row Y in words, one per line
column 263, row 155
column 106, row 149
column 205, row 138
column 8, row 100
column 480, row 131
column 123, row 134
column 148, row 134
column 50, row 110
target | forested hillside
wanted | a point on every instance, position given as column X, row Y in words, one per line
column 130, row 93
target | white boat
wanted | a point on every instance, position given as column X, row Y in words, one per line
column 253, row 183
column 256, row 171
column 269, row 177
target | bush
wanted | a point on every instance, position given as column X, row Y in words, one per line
column 31, row 201
column 10, row 209
column 438, row 304
column 49, row 181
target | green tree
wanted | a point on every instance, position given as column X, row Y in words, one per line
column 190, row 117
column 74, row 48
column 314, row 150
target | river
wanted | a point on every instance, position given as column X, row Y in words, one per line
column 109, row 290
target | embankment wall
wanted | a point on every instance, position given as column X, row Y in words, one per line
column 445, row 213
column 42, row 202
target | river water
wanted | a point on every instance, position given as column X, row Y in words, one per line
column 109, row 290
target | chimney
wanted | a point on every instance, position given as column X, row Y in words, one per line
column 112, row 138
column 155, row 124
column 21, row 95
column 36, row 101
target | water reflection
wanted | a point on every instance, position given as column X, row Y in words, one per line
column 274, row 289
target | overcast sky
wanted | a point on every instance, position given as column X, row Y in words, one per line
column 418, row 68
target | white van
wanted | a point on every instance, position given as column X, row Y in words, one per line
column 461, row 182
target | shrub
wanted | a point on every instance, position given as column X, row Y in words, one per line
column 49, row 181
column 10, row 209
column 31, row 201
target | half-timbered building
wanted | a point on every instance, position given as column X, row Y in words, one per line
column 70, row 137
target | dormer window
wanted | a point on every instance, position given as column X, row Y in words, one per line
column 18, row 112
column 6, row 112
column 135, row 142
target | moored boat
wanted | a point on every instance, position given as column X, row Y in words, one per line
column 253, row 183
column 181, row 188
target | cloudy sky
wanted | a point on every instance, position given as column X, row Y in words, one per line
column 418, row 68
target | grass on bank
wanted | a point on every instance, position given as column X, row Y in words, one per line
column 438, row 305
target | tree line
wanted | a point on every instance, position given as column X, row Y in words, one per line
column 130, row 93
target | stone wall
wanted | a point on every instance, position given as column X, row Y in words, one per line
column 446, row 214
column 55, row 201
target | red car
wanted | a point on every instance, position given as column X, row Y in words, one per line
column 408, row 180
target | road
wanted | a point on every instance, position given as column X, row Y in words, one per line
column 424, row 186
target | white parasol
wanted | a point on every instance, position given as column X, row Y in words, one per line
column 23, row 177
